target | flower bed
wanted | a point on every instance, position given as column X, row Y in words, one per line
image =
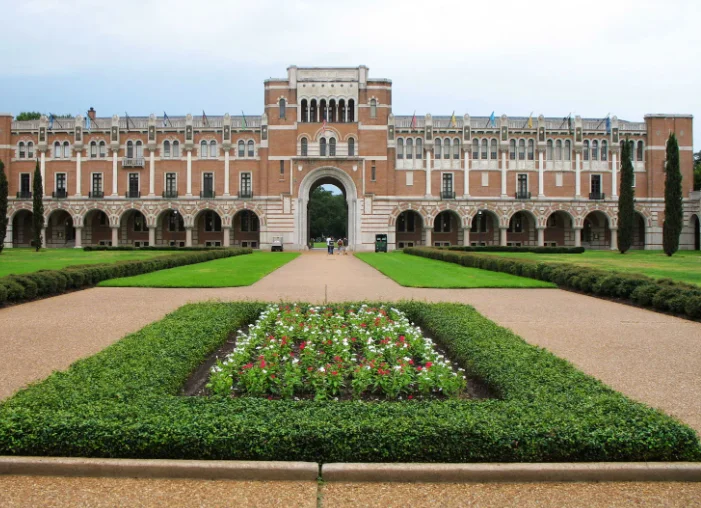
column 318, row 352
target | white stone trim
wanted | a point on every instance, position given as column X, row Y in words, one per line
column 664, row 148
column 283, row 127
column 362, row 127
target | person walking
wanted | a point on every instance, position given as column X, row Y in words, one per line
column 332, row 244
column 328, row 245
column 345, row 246
column 340, row 246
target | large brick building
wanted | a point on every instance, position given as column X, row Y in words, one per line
column 235, row 180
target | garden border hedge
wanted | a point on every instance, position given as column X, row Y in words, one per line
column 663, row 295
column 124, row 402
column 534, row 250
column 45, row 283
column 156, row 247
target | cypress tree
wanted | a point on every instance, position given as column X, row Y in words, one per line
column 626, row 201
column 673, row 213
column 3, row 206
column 37, row 208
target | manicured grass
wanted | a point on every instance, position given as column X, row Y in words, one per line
column 319, row 245
column 418, row 272
column 17, row 261
column 684, row 266
column 220, row 273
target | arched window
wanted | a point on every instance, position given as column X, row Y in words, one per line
column 93, row 150
column 400, row 148
column 558, row 150
column 351, row 110
column 549, row 150
column 242, row 148
column 66, row 150
column 341, row 110
column 568, row 150
column 493, row 150
column 522, row 149
column 176, row 149
column 323, row 110
column 30, row 150
column 631, row 147
column 332, row 110
column 419, row 149
column 456, row 148
column 409, row 148
column 57, row 150
column 166, row 149
column 22, row 153
column 604, row 150
column 312, row 111
column 485, row 149
column 204, row 152
column 585, row 150
column 305, row 110
column 373, row 108
column 437, row 148
column 213, row 149
column 130, row 149
column 332, row 147
column 322, row 147
column 251, row 148
column 351, row 147
column 531, row 150
column 281, row 106
column 640, row 151
column 446, row 148
column 595, row 150
column 475, row 149
column 139, row 149
column 305, row 147
column 512, row 150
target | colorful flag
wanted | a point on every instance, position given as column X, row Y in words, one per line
column 608, row 125
column 492, row 121
column 245, row 125
column 166, row 120
column 413, row 121
column 530, row 120
column 569, row 123
column 87, row 122
column 453, row 121
column 127, row 115
column 204, row 119
column 51, row 121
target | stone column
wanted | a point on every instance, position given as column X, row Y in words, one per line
column 577, row 236
column 541, row 168
column 502, row 235
column 78, row 173
column 466, row 236
column 189, row 174
column 466, row 191
column 428, row 172
column 152, row 173
column 152, row 236
column 428, row 231
column 43, row 237
column 78, row 237
column 614, row 176
column 614, row 238
column 503, row 174
column 188, row 236
column 114, row 172
column 577, row 180
column 541, row 236
column 227, row 236
column 226, row 172
column 115, row 236
column 8, row 236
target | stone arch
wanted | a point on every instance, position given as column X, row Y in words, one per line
column 485, row 224
column 246, row 205
column 21, row 223
column 133, row 227
column 645, row 213
column 60, row 228
column 205, row 232
column 402, row 207
column 566, row 211
column 448, row 226
column 164, row 234
column 244, row 235
column 559, row 228
column 96, row 229
column 596, row 229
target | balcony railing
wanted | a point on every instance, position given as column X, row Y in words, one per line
column 170, row 194
column 247, row 194
column 24, row 195
column 445, row 194
column 133, row 162
column 597, row 195
column 96, row 194
column 59, row 194
column 132, row 194
column 207, row 194
column 522, row 195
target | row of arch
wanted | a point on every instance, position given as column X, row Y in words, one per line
column 332, row 111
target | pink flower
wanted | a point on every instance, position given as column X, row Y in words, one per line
column 429, row 365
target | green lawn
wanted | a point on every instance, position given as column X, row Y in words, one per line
column 319, row 245
column 684, row 266
column 418, row 272
column 16, row 261
column 220, row 273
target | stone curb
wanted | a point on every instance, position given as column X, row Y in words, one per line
column 157, row 468
column 486, row 473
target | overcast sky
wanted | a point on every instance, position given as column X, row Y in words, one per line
column 622, row 57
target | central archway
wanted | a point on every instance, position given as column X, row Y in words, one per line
column 315, row 178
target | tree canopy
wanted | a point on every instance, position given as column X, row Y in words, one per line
column 328, row 214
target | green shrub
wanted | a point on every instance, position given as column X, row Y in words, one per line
column 661, row 300
column 692, row 309
column 3, row 294
column 499, row 248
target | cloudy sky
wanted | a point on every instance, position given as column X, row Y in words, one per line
column 590, row 58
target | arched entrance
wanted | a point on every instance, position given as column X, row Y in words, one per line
column 170, row 230
column 485, row 229
column 447, row 229
column 522, row 230
column 315, row 178
column 246, row 228
column 409, row 229
column 133, row 229
column 59, row 230
column 208, row 229
column 638, row 232
column 559, row 230
column 22, row 229
column 696, row 224
column 96, row 228
column 596, row 233
column 327, row 212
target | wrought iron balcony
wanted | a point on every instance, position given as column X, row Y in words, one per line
column 133, row 162
column 96, row 194
column 24, row 195
column 59, row 194
column 247, row 194
column 522, row 195
column 597, row 195
column 132, row 194
column 447, row 194
column 170, row 194
column 207, row 194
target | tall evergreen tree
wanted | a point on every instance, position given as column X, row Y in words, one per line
column 626, row 202
column 673, row 213
column 3, row 206
column 37, row 208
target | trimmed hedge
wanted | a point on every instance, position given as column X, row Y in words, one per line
column 124, row 402
column 156, row 247
column 663, row 295
column 534, row 250
column 44, row 283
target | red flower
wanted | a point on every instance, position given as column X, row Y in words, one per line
column 401, row 338
column 418, row 368
column 429, row 365
column 410, row 397
column 337, row 358
column 262, row 364
column 310, row 369
column 334, row 373
column 352, row 339
column 363, row 325
column 272, row 376
column 302, row 345
column 411, row 362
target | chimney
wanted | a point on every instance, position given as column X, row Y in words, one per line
column 91, row 113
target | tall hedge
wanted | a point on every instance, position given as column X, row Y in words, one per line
column 673, row 213
column 37, row 208
column 3, row 205
column 626, row 202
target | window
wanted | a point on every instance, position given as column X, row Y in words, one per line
column 212, row 221
column 140, row 223
column 246, row 184
column 213, row 149
column 322, row 147
column 549, row 150
column 447, row 185
column 400, row 148
column 133, row 185
column 166, row 149
column 176, row 149
column 558, row 150
column 410, row 148
column 493, row 150
column 522, row 184
column 351, row 110
column 57, row 150
column 60, row 183
column 437, row 148
column 305, row 110
column 516, row 223
column 512, row 150
column 446, row 148
column 406, row 222
column 373, row 173
column 139, row 149
column 249, row 221
column 282, row 169
column 242, row 149
column 531, row 150
column 373, row 108
column 175, row 222
column 93, row 150
column 640, row 151
column 281, row 108
column 419, row 149
column 312, row 111
column 66, row 150
column 595, row 150
column 208, row 185
column 305, row 147
column 631, row 146
column 25, row 184
column 568, row 150
column 456, row 148
column 342, row 110
column 332, row 147
column 351, row 147
column 475, row 149
column 522, row 150
column 96, row 184
column 485, row 149
column 604, row 150
column 204, row 151
column 442, row 223
column 479, row 223
column 251, row 149
column 585, row 150
column 171, row 184
column 30, row 150
column 130, row 149
column 596, row 184
column 22, row 153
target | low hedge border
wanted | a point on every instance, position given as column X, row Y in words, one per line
column 664, row 295
column 45, row 283
column 534, row 250
column 164, row 247
column 124, row 402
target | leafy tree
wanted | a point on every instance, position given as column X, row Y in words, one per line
column 37, row 208
column 626, row 202
column 673, row 213
column 328, row 214
column 697, row 171
column 28, row 115
column 3, row 206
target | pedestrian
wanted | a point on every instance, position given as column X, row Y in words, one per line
column 340, row 246
column 332, row 244
column 345, row 246
column 328, row 245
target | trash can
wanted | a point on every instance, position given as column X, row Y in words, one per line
column 380, row 243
